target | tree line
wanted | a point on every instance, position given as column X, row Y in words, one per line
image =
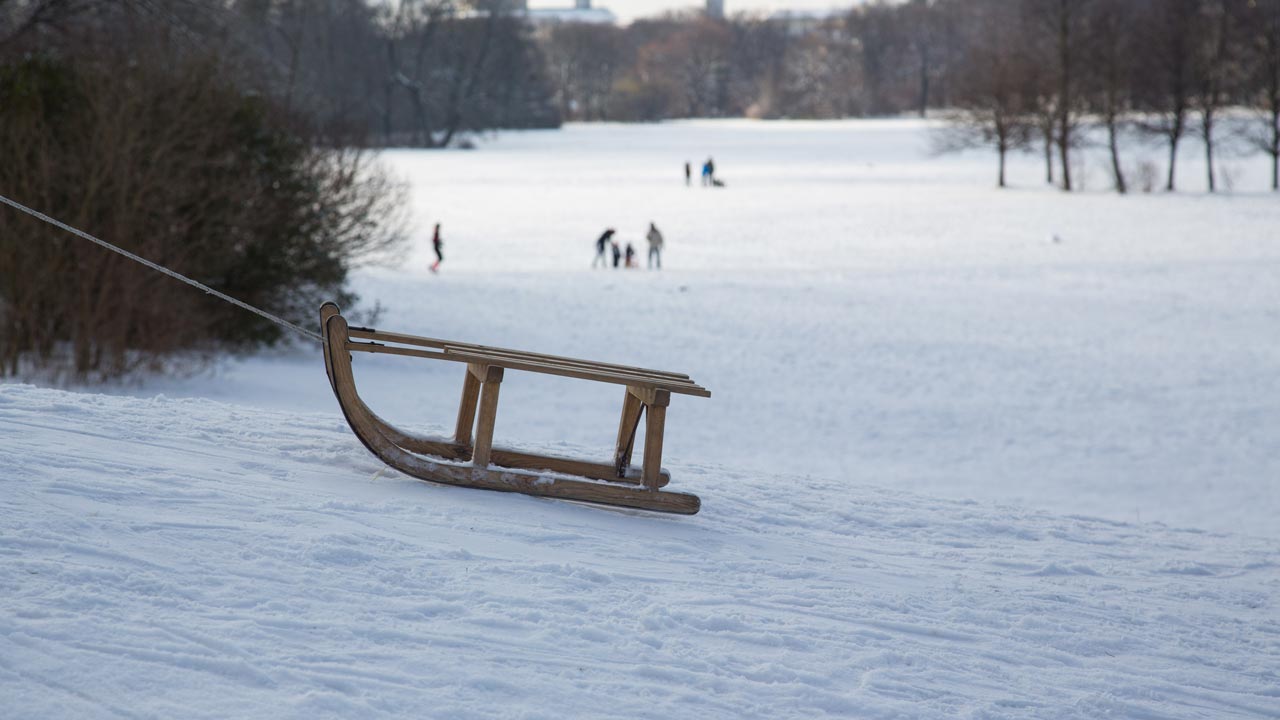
column 420, row 73
column 1012, row 75
column 143, row 123
column 1009, row 74
column 1044, row 73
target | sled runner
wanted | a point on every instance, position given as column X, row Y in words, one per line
column 473, row 461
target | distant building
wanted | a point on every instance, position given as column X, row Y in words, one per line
column 715, row 9
column 803, row 22
column 581, row 12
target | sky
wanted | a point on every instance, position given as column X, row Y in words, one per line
column 628, row 10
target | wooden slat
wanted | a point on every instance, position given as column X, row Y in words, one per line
column 502, row 457
column 371, row 334
column 683, row 388
column 463, row 357
column 570, row 363
column 569, row 466
column 511, row 361
column 440, row 447
column 377, row 349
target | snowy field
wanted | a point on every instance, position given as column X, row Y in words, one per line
column 971, row 453
column 861, row 311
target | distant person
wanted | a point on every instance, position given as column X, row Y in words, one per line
column 631, row 256
column 617, row 254
column 601, row 244
column 688, row 173
column 706, row 173
column 655, row 246
column 438, row 245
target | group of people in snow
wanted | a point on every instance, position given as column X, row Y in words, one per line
column 622, row 256
column 709, row 178
column 606, row 241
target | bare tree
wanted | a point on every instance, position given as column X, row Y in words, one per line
column 1059, row 25
column 1110, row 74
column 694, row 64
column 585, row 60
column 760, row 52
column 875, row 26
column 322, row 58
column 461, row 67
column 923, row 30
column 822, row 78
column 410, row 43
column 1211, row 67
column 995, row 89
column 122, row 131
column 1166, row 81
column 1263, row 17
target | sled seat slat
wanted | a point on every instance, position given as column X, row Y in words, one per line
column 416, row 340
column 548, row 367
column 617, row 377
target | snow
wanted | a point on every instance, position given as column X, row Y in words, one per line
column 167, row 557
column 951, row 467
column 860, row 310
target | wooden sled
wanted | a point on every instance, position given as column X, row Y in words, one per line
column 476, row 463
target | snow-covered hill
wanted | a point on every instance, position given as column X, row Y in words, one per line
column 862, row 311
column 970, row 453
column 167, row 558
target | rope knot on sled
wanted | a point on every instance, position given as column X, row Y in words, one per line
column 444, row 460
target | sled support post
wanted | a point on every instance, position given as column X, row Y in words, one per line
column 632, row 408
column 490, row 386
column 445, row 460
column 467, row 407
column 655, row 425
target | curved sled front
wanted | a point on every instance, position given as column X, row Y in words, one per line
column 437, row 460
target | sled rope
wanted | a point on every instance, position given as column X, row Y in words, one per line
column 160, row 268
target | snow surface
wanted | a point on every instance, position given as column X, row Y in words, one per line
column 168, row 558
column 860, row 309
column 971, row 453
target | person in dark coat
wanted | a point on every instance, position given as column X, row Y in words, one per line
column 655, row 246
column 688, row 174
column 617, row 254
column 438, row 245
column 601, row 244
column 631, row 255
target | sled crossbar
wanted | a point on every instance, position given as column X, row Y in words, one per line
column 469, row 457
